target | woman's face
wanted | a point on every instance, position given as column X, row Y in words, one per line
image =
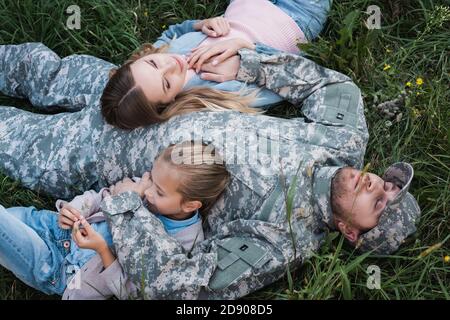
column 160, row 75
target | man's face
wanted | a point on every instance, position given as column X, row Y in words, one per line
column 364, row 198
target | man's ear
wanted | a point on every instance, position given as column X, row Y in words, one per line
column 350, row 233
column 190, row 206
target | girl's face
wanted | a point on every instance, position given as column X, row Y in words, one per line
column 162, row 196
column 160, row 75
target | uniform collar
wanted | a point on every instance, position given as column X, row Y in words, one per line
column 322, row 193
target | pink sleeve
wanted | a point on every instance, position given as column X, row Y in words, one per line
column 88, row 203
column 93, row 282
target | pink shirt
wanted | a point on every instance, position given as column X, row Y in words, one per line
column 260, row 21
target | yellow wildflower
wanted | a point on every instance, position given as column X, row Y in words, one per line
column 447, row 259
column 164, row 26
column 386, row 67
column 388, row 50
column 416, row 113
column 418, row 93
column 419, row 81
column 146, row 13
column 409, row 84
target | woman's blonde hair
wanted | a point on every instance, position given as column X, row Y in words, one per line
column 124, row 105
column 202, row 172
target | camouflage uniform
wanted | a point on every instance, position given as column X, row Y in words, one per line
column 248, row 242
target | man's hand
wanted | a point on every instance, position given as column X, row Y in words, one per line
column 129, row 185
column 222, row 72
column 68, row 216
column 213, row 27
column 219, row 52
column 87, row 237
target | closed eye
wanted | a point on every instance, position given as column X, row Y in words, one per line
column 166, row 83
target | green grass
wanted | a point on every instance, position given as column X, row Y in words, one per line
column 414, row 41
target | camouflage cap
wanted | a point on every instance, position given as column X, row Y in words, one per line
column 399, row 217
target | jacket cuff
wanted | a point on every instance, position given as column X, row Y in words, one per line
column 250, row 68
column 59, row 204
column 128, row 201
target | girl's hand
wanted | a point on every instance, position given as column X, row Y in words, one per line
column 129, row 185
column 213, row 27
column 88, row 238
column 220, row 51
column 68, row 216
column 224, row 71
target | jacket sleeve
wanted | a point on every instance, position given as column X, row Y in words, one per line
column 329, row 99
column 175, row 30
column 35, row 72
column 87, row 203
column 215, row 269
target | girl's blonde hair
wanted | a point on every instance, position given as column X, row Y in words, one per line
column 124, row 105
column 203, row 176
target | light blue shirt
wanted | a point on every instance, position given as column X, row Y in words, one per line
column 174, row 226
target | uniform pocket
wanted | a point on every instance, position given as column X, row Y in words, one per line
column 237, row 258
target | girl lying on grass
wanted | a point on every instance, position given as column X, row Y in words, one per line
column 190, row 67
column 38, row 248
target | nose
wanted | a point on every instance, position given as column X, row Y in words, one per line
column 170, row 66
column 374, row 185
column 149, row 195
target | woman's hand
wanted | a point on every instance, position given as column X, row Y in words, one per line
column 220, row 51
column 213, row 27
column 129, row 185
column 224, row 71
column 87, row 237
column 68, row 216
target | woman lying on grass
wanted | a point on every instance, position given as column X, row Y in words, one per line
column 190, row 67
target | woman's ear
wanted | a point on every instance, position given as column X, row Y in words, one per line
column 112, row 72
column 190, row 206
column 350, row 233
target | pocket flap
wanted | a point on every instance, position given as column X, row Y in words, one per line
column 236, row 257
column 228, row 260
column 246, row 250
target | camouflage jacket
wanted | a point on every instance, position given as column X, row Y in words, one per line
column 248, row 240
